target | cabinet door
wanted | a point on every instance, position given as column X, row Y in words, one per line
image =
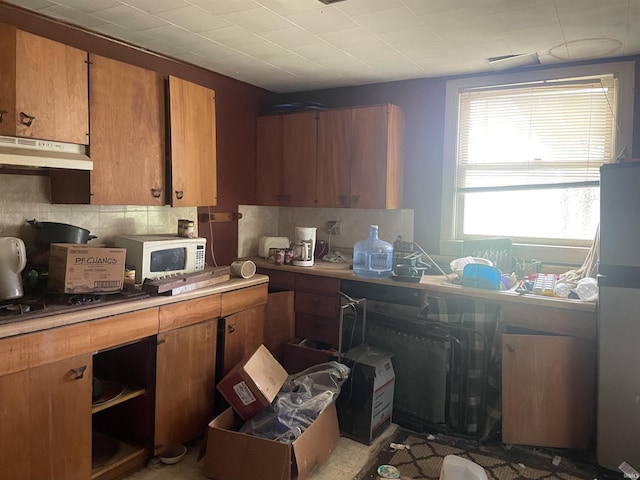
column 44, row 89
column 185, row 383
column 299, row 159
column 547, row 390
column 376, row 168
column 45, row 422
column 192, row 113
column 243, row 332
column 127, row 134
column 269, row 161
column 334, row 158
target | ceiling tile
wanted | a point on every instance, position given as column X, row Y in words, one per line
column 88, row 7
column 32, row 4
column 232, row 35
column 287, row 7
column 222, row 7
column 290, row 37
column 359, row 7
column 211, row 49
column 71, row 15
column 388, row 20
column 121, row 33
column 257, row 20
column 323, row 20
column 376, row 49
column 264, row 50
column 172, row 35
column 129, row 18
column 349, row 37
column 193, row 18
column 155, row 6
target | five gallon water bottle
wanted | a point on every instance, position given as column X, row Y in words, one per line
column 373, row 258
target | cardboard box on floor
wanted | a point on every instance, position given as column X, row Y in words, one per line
column 232, row 455
column 253, row 383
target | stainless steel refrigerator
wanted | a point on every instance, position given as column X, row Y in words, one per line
column 618, row 418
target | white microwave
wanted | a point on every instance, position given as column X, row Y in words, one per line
column 157, row 256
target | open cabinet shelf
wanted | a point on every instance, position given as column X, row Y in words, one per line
column 127, row 394
column 126, row 456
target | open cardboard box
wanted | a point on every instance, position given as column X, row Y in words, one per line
column 232, row 455
column 253, row 383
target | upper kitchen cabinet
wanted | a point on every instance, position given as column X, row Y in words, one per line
column 286, row 159
column 359, row 157
column 127, row 134
column 127, row 139
column 192, row 127
column 43, row 88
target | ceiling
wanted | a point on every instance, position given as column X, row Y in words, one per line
column 298, row 45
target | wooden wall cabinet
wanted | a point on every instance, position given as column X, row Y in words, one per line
column 192, row 126
column 359, row 161
column 45, row 421
column 43, row 88
column 127, row 140
column 286, row 160
column 349, row 157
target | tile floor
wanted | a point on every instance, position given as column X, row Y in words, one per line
column 347, row 459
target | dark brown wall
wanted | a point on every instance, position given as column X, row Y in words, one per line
column 237, row 105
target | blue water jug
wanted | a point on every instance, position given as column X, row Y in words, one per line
column 373, row 258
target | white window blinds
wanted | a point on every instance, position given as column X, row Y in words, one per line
column 545, row 134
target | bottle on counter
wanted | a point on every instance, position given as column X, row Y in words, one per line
column 373, row 258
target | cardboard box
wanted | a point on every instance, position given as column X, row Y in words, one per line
column 365, row 403
column 300, row 354
column 79, row 268
column 253, row 383
column 232, row 455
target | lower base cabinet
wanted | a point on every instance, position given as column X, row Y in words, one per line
column 45, row 421
column 547, row 390
column 185, row 384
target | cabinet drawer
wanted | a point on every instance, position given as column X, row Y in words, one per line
column 313, row 304
column 314, row 327
column 311, row 283
column 194, row 311
column 279, row 278
column 238, row 300
column 120, row 329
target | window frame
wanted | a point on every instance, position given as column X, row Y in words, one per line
column 572, row 254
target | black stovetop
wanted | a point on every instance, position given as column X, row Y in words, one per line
column 45, row 303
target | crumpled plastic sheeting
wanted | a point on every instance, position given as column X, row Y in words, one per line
column 300, row 401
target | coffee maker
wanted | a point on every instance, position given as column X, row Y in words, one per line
column 304, row 246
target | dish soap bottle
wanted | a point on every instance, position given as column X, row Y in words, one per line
column 373, row 258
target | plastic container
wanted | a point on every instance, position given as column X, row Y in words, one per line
column 587, row 289
column 373, row 258
column 481, row 276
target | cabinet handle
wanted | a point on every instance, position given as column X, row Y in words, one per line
column 156, row 192
column 26, row 119
column 355, row 199
column 511, row 348
column 343, row 200
column 79, row 371
column 179, row 194
column 231, row 328
column 2, row 112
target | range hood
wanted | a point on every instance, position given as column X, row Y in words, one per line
column 18, row 152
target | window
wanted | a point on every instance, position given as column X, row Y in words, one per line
column 523, row 152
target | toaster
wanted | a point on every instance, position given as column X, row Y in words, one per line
column 271, row 242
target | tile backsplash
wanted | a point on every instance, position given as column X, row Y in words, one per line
column 281, row 221
column 25, row 197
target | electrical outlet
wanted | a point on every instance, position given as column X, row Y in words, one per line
column 334, row 227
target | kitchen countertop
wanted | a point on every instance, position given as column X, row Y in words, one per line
column 436, row 284
column 62, row 319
